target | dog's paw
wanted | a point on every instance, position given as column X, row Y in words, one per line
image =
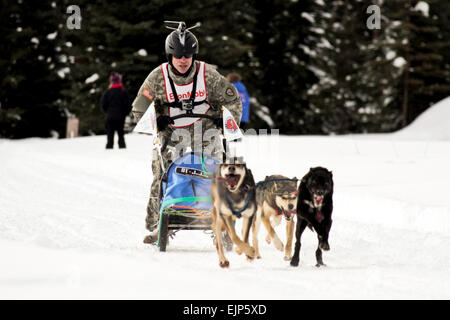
column 278, row 244
column 318, row 265
column 287, row 258
column 224, row 264
column 268, row 239
column 238, row 250
column 252, row 252
column 294, row 262
column 250, row 258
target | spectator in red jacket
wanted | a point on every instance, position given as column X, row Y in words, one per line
column 116, row 104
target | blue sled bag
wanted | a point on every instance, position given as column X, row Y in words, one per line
column 187, row 182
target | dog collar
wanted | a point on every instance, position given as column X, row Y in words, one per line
column 279, row 211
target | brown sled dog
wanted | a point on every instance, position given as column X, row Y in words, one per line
column 233, row 196
column 276, row 197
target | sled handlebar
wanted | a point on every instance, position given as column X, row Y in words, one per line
column 194, row 115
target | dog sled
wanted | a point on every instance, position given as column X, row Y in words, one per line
column 185, row 190
column 185, row 200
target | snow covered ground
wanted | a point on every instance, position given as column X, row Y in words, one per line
column 72, row 221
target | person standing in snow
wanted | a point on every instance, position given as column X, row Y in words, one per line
column 115, row 103
column 236, row 80
column 212, row 91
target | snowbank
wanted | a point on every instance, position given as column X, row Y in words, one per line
column 432, row 124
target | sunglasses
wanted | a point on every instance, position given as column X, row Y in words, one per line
column 187, row 56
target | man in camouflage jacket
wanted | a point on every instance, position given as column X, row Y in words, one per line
column 212, row 92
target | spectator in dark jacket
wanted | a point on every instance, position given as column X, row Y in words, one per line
column 116, row 104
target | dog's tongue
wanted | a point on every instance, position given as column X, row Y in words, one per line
column 232, row 180
column 318, row 200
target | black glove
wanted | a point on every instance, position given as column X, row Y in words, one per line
column 218, row 122
column 163, row 121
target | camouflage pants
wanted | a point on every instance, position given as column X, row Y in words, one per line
column 197, row 138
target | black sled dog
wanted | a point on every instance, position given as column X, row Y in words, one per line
column 314, row 209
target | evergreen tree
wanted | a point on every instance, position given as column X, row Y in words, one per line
column 414, row 36
column 113, row 37
column 380, row 72
column 339, row 57
column 425, row 75
column 30, row 86
column 281, row 73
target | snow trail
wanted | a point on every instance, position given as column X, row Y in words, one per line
column 72, row 223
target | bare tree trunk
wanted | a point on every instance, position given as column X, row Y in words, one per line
column 405, row 104
column 405, row 96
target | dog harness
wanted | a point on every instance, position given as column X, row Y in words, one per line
column 249, row 198
column 238, row 212
column 187, row 98
column 274, row 180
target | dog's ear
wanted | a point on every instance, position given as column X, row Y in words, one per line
column 306, row 176
column 249, row 177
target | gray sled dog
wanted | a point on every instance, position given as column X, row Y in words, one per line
column 232, row 197
column 276, row 197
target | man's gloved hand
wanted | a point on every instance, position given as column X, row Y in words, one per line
column 218, row 122
column 163, row 121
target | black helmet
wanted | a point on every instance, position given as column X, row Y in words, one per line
column 181, row 42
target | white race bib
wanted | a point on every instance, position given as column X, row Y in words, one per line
column 184, row 93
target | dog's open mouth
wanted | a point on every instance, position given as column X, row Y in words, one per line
column 232, row 180
column 289, row 215
column 318, row 199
